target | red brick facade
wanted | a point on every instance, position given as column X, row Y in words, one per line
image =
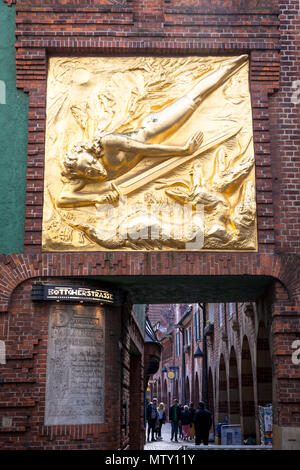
column 267, row 31
column 23, row 379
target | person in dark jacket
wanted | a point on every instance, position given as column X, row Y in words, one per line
column 152, row 416
column 174, row 418
column 203, row 422
column 192, row 425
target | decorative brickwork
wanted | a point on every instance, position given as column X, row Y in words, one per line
column 88, row 30
column 17, row 268
column 267, row 31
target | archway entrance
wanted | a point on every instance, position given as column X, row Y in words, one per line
column 263, row 367
column 196, row 391
column 165, row 398
column 188, row 396
column 235, row 388
column 248, row 406
column 133, row 420
column 234, row 393
column 211, row 401
column 223, row 395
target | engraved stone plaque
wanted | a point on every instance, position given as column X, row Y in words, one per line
column 75, row 365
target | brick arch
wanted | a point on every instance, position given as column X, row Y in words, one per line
column 159, row 391
column 247, row 381
column 165, row 393
column 263, row 367
column 176, row 391
column 196, row 397
column 223, row 392
column 234, row 394
column 211, row 400
column 188, row 391
column 154, row 392
column 14, row 269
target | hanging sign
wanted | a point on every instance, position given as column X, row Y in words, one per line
column 75, row 293
column 171, row 375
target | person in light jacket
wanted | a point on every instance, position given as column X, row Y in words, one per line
column 161, row 419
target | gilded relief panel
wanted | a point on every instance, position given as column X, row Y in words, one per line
column 149, row 153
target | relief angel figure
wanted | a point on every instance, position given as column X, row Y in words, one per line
column 111, row 155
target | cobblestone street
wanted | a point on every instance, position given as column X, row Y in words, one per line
column 166, row 443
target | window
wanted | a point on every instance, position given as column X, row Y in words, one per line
column 177, row 339
column 231, row 307
column 197, row 325
column 211, row 312
column 220, row 315
column 188, row 334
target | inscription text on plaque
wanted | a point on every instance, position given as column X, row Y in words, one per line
column 75, row 365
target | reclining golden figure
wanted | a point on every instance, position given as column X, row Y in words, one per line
column 110, row 156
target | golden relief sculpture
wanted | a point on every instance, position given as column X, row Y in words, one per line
column 149, row 153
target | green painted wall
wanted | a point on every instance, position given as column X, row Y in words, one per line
column 13, row 140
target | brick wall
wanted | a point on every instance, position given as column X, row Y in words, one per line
column 23, row 379
column 267, row 31
column 131, row 428
column 200, row 27
column 285, row 130
column 153, row 28
column 116, row 28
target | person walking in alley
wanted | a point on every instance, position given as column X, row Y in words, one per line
column 152, row 416
column 186, row 421
column 192, row 424
column 161, row 419
column 174, row 417
column 203, row 422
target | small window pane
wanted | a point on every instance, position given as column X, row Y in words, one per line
column 220, row 315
